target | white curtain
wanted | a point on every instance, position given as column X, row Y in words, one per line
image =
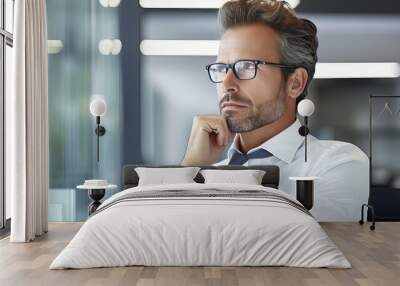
column 27, row 123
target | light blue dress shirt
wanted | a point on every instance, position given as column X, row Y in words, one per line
column 342, row 170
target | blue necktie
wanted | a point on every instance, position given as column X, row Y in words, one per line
column 240, row 159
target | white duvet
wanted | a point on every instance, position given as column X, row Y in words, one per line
column 200, row 231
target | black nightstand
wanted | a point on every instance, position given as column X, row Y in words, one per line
column 305, row 190
column 96, row 193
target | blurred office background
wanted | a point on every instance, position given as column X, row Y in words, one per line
column 152, row 98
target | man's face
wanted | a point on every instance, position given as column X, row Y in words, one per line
column 250, row 104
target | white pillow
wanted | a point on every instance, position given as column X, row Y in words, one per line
column 162, row 176
column 248, row 177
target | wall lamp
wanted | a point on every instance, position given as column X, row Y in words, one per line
column 98, row 108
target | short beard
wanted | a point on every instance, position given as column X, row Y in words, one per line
column 260, row 116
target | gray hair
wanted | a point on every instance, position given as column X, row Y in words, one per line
column 299, row 42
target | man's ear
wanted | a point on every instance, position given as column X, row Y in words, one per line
column 296, row 82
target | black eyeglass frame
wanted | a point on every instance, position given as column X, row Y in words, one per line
column 256, row 63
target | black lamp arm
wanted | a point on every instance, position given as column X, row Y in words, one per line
column 100, row 131
column 303, row 131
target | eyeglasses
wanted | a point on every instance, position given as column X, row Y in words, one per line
column 242, row 69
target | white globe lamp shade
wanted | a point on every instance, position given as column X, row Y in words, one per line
column 114, row 3
column 104, row 3
column 105, row 46
column 116, row 47
column 305, row 107
column 98, row 107
column 110, row 3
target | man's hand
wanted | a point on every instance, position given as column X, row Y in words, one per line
column 209, row 137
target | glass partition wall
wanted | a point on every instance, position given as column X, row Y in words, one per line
column 77, row 71
column 152, row 95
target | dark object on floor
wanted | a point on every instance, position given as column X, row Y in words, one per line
column 372, row 227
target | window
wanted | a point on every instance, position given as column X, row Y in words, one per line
column 6, row 65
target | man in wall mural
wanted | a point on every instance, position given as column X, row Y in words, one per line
column 265, row 63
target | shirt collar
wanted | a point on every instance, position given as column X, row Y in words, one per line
column 283, row 145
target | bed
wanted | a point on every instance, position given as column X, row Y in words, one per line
column 201, row 224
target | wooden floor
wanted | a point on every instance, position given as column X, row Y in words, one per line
column 375, row 256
